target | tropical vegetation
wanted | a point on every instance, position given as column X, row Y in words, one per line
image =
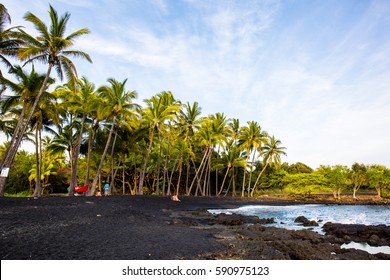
column 91, row 135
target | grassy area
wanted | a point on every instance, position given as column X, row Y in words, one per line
column 20, row 194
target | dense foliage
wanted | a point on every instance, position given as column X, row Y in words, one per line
column 101, row 134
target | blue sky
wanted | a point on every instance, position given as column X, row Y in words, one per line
column 316, row 74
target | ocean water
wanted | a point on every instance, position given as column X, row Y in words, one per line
column 347, row 214
column 285, row 215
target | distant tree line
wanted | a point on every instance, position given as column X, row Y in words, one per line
column 299, row 179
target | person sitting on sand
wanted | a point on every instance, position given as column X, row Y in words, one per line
column 175, row 198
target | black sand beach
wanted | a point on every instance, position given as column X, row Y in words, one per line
column 152, row 227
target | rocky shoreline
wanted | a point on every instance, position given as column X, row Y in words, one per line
column 151, row 227
column 247, row 238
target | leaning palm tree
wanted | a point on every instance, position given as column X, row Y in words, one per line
column 116, row 103
column 272, row 156
column 51, row 46
column 24, row 92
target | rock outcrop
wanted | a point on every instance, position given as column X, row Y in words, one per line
column 374, row 235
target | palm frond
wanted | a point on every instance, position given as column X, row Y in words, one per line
column 78, row 33
column 39, row 25
column 78, row 54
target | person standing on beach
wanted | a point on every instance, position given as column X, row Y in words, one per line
column 106, row 189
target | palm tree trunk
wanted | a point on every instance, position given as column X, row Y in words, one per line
column 258, row 178
column 17, row 138
column 178, row 180
column 206, row 183
column 135, row 176
column 71, row 157
column 89, row 150
column 243, row 181
column 143, row 171
column 195, row 178
column 91, row 191
column 123, row 178
column 250, row 175
column 76, row 154
column 234, row 182
column 187, row 176
column 197, row 171
column 165, row 171
column 112, row 183
column 38, row 162
column 223, row 181
column 21, row 121
column 228, row 189
column 158, row 170
column 216, row 174
column 170, row 178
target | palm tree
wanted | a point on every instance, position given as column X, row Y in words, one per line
column 160, row 108
column 24, row 93
column 51, row 46
column 78, row 98
column 234, row 131
column 212, row 133
column 117, row 102
column 189, row 121
column 183, row 150
column 272, row 156
column 230, row 160
column 44, row 117
column 50, row 162
column 127, row 123
column 24, row 90
column 251, row 138
column 92, row 127
column 220, row 131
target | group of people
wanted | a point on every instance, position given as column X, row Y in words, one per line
column 107, row 192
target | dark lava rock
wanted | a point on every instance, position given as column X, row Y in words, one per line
column 374, row 235
column 233, row 219
column 264, row 221
column 305, row 221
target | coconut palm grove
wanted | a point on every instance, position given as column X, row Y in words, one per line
column 88, row 135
